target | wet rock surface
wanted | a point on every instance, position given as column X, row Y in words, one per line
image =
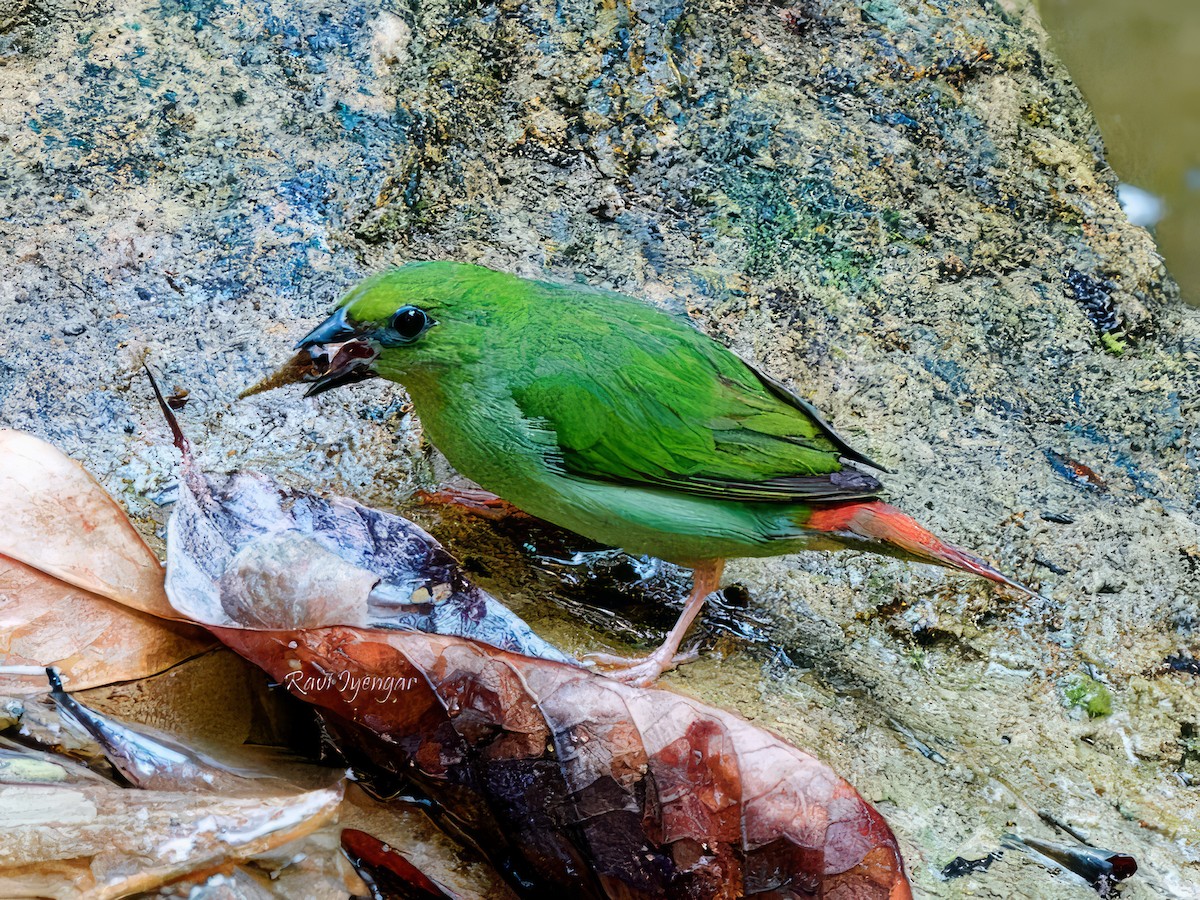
column 900, row 208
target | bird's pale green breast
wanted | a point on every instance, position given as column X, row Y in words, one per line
column 607, row 415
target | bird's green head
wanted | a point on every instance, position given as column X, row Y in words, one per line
column 410, row 324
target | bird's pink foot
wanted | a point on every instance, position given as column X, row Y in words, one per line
column 640, row 671
column 475, row 501
column 644, row 671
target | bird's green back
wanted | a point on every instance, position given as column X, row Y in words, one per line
column 620, row 390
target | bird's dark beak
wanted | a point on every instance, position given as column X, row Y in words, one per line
column 336, row 352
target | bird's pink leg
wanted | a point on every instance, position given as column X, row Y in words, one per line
column 475, row 501
column 645, row 670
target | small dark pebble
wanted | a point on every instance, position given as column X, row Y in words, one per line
column 1058, row 518
column 1180, row 663
column 1094, row 296
column 959, row 867
column 1046, row 564
column 736, row 595
column 74, row 329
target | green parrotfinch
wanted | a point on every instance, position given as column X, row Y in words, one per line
column 612, row 418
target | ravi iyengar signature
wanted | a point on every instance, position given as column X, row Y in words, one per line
column 378, row 687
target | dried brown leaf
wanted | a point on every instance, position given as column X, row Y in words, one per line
column 152, row 760
column 56, row 518
column 569, row 781
column 244, row 551
column 93, row 641
column 69, row 832
column 100, row 840
column 575, row 782
column 79, row 588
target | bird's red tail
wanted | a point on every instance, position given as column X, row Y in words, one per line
column 874, row 521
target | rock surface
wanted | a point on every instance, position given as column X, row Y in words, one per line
column 901, row 208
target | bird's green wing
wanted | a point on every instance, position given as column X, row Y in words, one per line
column 658, row 404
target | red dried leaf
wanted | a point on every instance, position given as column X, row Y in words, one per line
column 577, row 782
column 387, row 872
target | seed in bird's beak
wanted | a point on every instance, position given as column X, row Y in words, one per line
column 301, row 367
column 344, row 363
column 324, row 366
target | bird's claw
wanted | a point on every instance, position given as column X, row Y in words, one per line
column 640, row 671
column 481, row 503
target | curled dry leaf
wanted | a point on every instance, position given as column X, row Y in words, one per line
column 151, row 760
column 92, row 640
column 244, row 551
column 79, row 588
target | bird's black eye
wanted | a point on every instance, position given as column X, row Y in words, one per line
column 409, row 322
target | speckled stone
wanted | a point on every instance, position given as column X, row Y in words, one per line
column 901, row 208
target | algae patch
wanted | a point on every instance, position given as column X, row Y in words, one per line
column 1086, row 693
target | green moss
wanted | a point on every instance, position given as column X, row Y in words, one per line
column 917, row 658
column 1038, row 113
column 1086, row 693
column 1113, row 344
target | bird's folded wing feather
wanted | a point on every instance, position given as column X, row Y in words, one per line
column 663, row 406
